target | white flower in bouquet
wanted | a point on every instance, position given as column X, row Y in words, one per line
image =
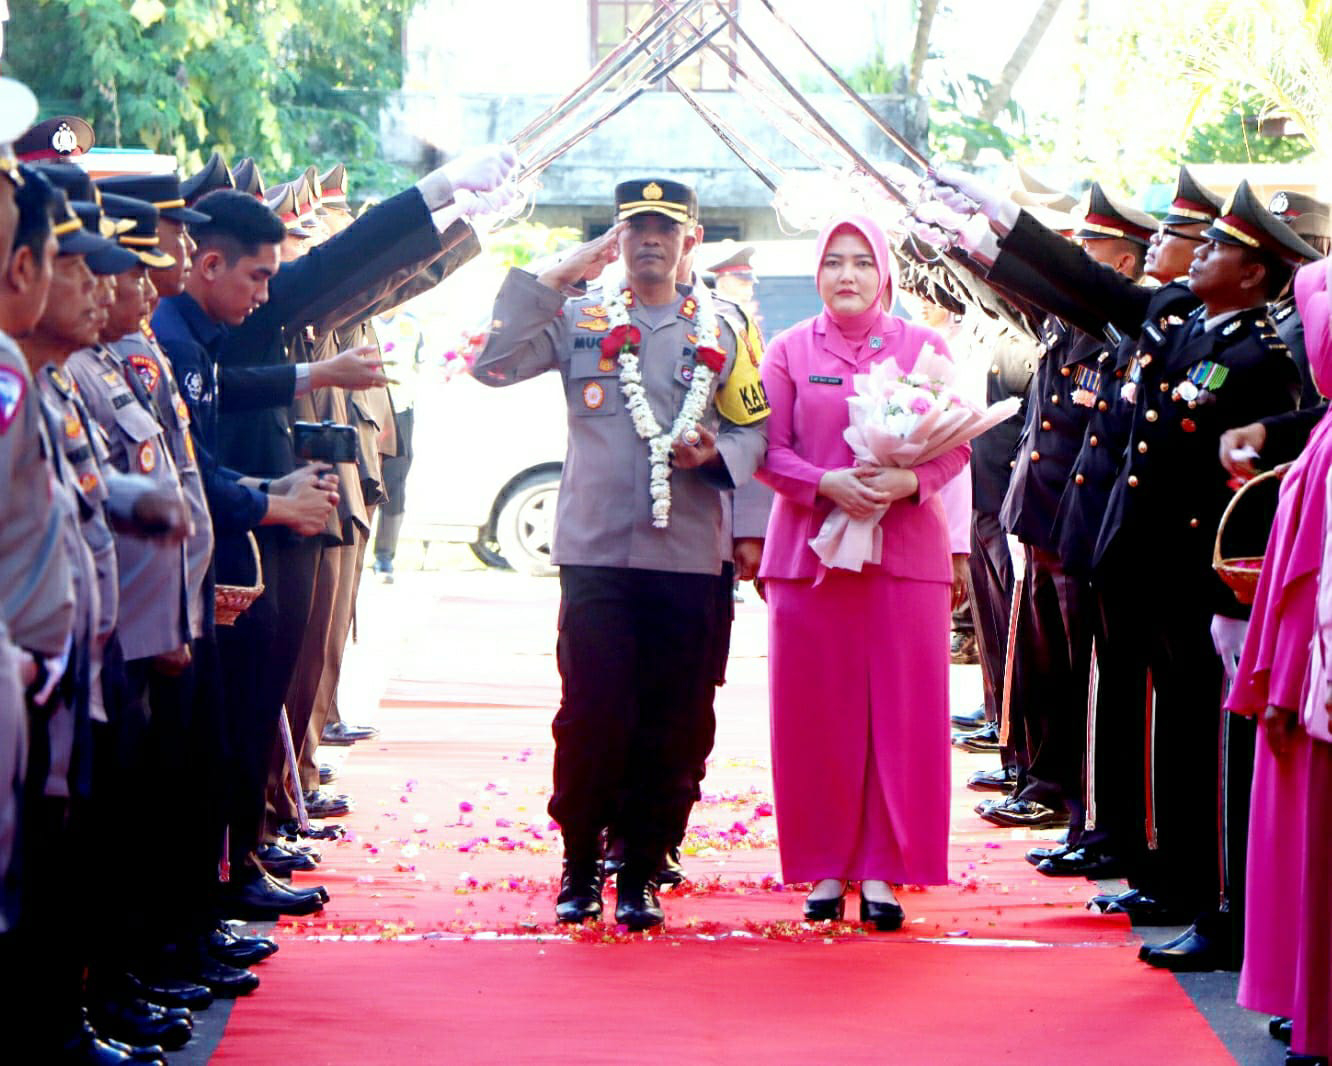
column 900, row 419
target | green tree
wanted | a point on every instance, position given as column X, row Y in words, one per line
column 288, row 83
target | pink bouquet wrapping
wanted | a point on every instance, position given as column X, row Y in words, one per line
column 902, row 420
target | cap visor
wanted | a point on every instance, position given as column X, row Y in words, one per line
column 185, row 214
column 1172, row 219
column 111, row 260
column 155, row 260
column 1211, row 233
column 675, row 214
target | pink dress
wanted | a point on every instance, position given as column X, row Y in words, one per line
column 1273, row 670
column 858, row 663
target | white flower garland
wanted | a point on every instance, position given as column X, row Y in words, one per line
column 640, row 411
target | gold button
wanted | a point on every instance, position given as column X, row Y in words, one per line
column 1079, row 479
column 1152, row 416
column 1145, row 360
column 1165, row 387
column 1055, row 399
column 1142, row 447
column 1093, row 441
column 1102, row 406
column 1035, row 457
column 1012, row 463
column 994, row 369
column 1046, row 425
column 1193, row 405
column 1065, row 371
column 1133, row 481
column 1193, row 523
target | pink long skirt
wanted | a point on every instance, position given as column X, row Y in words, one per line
column 1274, row 881
column 1312, row 1008
column 858, row 670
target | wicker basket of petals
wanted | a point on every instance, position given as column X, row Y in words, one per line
column 232, row 601
column 1253, row 507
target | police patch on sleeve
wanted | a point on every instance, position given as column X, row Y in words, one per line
column 194, row 385
column 12, row 388
column 147, row 369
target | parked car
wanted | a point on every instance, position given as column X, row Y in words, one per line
column 488, row 461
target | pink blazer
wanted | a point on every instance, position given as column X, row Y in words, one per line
column 807, row 372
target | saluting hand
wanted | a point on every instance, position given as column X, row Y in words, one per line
column 851, row 493
column 586, row 261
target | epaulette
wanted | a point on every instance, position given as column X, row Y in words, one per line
column 1280, row 314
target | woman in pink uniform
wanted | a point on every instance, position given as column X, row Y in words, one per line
column 1289, row 765
column 858, row 662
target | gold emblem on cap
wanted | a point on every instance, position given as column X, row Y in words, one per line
column 652, row 191
column 1280, row 204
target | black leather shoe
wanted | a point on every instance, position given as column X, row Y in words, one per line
column 1194, row 952
column 340, row 734
column 1000, row 780
column 226, row 982
column 264, row 898
column 283, row 862
column 671, row 872
column 320, row 804
column 171, row 994
column 1079, row 863
column 985, row 739
column 1142, row 909
column 580, row 891
column 885, row 917
column 1280, row 1028
column 1025, row 814
column 228, row 946
column 136, row 1025
column 825, row 910
column 1036, row 856
column 1295, row 1059
column 86, row 1047
column 636, row 904
column 969, row 720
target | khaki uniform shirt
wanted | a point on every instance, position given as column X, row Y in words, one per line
column 154, row 616
column 83, row 581
column 604, row 514
column 140, row 351
column 36, row 586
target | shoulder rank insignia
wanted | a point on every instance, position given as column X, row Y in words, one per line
column 1154, row 334
column 1283, row 313
column 73, row 427
column 689, row 309
column 148, row 370
column 12, row 387
column 1231, row 327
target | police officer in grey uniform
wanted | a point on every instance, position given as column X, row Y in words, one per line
column 641, row 560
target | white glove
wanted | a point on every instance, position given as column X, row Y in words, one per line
column 971, row 232
column 966, row 193
column 472, row 204
column 476, row 170
column 1228, row 639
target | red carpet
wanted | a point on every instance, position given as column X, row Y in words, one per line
column 439, row 944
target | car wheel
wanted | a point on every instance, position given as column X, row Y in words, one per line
column 525, row 525
column 486, row 548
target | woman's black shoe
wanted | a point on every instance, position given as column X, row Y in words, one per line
column 885, row 917
column 825, row 910
column 1280, row 1028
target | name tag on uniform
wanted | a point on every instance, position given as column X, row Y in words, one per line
column 122, row 399
column 822, row 379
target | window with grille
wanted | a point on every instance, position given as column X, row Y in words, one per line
column 610, row 21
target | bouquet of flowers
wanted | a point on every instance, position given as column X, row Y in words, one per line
column 900, row 419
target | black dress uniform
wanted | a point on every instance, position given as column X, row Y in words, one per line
column 1053, row 635
column 990, row 564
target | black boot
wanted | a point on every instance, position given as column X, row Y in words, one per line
column 636, row 905
column 580, row 890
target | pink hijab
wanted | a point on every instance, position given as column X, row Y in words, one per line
column 855, row 328
column 1276, row 651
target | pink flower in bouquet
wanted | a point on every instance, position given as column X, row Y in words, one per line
column 920, row 405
